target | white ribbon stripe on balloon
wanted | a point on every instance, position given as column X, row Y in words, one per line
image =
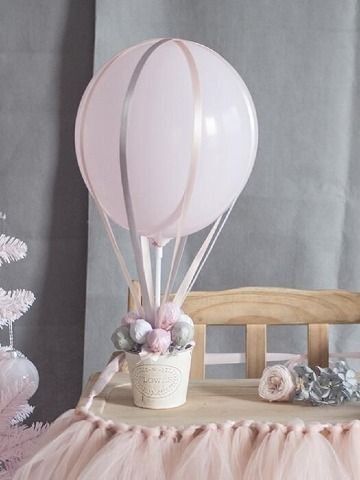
column 134, row 234
column 195, row 149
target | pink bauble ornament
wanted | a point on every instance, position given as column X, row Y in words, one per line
column 168, row 314
column 158, row 340
column 15, row 367
column 129, row 318
column 139, row 330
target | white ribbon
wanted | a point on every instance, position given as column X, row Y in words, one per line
column 201, row 257
column 195, row 152
column 210, row 247
column 145, row 248
column 134, row 234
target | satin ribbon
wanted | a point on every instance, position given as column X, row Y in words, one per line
column 146, row 255
column 195, row 152
column 201, row 257
column 134, row 234
column 104, row 378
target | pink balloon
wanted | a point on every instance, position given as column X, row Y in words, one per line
column 159, row 138
column 169, row 313
column 158, row 340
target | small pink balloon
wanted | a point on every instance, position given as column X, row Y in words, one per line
column 168, row 314
column 130, row 318
column 158, row 340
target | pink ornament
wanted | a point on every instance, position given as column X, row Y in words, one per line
column 158, row 340
column 168, row 314
column 129, row 318
column 15, row 367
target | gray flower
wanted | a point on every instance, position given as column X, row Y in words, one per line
column 305, row 378
column 326, row 386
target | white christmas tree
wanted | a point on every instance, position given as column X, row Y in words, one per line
column 16, row 440
column 13, row 304
column 11, row 249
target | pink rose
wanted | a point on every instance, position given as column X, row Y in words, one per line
column 276, row 384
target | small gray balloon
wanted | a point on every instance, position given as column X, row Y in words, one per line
column 182, row 333
column 121, row 338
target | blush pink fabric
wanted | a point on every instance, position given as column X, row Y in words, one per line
column 82, row 446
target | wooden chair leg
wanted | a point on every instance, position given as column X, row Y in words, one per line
column 198, row 355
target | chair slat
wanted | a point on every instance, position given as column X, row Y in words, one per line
column 318, row 345
column 198, row 355
column 255, row 350
column 273, row 306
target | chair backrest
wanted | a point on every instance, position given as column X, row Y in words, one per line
column 257, row 307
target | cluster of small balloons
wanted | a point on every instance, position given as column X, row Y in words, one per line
column 173, row 328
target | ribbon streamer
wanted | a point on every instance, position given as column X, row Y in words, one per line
column 134, row 235
column 104, row 378
column 181, row 293
column 145, row 248
column 212, row 243
column 201, row 257
column 195, row 152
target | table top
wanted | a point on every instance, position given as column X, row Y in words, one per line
column 211, row 401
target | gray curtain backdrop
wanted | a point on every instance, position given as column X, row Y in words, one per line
column 297, row 224
column 46, row 56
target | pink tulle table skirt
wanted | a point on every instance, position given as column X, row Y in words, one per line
column 80, row 445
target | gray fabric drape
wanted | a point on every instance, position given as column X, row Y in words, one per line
column 297, row 224
column 46, row 51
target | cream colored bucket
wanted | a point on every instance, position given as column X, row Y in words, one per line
column 161, row 383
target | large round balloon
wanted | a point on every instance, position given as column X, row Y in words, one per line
column 159, row 138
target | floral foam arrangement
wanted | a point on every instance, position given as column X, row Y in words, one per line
column 172, row 331
column 319, row 386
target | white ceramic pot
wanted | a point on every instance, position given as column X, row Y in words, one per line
column 160, row 383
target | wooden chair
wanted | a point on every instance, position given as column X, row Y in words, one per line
column 219, row 400
column 256, row 308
